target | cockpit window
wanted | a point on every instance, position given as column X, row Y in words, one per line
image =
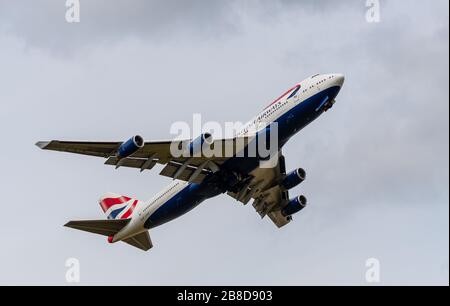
column 316, row 75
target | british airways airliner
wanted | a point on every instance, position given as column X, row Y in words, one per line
column 197, row 177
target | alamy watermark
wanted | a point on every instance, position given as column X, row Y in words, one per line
column 373, row 270
column 73, row 11
column 72, row 270
column 256, row 139
column 373, row 13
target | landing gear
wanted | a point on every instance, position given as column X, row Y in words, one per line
column 328, row 105
column 239, row 182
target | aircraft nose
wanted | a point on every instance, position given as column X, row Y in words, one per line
column 339, row 79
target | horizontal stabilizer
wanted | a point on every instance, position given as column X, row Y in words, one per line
column 102, row 227
column 141, row 241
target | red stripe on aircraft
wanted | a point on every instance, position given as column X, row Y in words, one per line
column 282, row 96
column 130, row 210
column 108, row 202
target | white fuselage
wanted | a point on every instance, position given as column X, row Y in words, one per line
column 299, row 93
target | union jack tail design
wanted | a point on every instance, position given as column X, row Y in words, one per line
column 117, row 207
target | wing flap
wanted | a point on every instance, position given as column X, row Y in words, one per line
column 125, row 162
column 278, row 218
column 172, row 170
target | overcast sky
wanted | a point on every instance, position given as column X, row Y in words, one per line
column 377, row 164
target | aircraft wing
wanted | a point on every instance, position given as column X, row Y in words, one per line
column 193, row 169
column 263, row 187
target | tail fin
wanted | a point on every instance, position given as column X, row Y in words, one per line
column 116, row 206
column 119, row 210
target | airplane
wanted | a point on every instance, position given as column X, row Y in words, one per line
column 198, row 177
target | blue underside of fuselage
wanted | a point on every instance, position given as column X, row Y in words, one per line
column 288, row 124
column 185, row 200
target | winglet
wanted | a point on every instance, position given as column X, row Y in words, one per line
column 42, row 144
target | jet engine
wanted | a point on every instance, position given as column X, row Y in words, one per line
column 294, row 206
column 293, row 179
column 130, row 146
column 196, row 145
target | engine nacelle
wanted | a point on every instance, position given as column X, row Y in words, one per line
column 293, row 179
column 196, row 145
column 294, row 206
column 130, row 146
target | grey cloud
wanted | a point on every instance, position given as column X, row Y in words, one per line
column 44, row 25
